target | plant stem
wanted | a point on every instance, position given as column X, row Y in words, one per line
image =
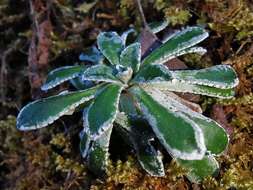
column 143, row 18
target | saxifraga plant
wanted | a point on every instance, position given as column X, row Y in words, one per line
column 135, row 96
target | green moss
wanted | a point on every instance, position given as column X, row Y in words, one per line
column 128, row 175
column 237, row 16
column 175, row 15
column 9, row 136
column 197, row 61
column 61, row 141
column 69, row 165
column 160, row 4
column 126, row 7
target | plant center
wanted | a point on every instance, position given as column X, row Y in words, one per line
column 124, row 73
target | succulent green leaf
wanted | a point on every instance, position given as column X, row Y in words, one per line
column 131, row 56
column 139, row 136
column 79, row 84
column 152, row 73
column 179, row 135
column 149, row 158
column 177, row 42
column 123, row 121
column 179, row 86
column 43, row 112
column 216, row 138
column 156, row 27
column 198, row 50
column 102, row 112
column 124, row 74
column 98, row 154
column 200, row 169
column 91, row 54
column 135, row 125
column 125, row 35
column 220, row 76
column 123, row 128
column 126, row 104
column 100, row 73
column 111, row 45
column 61, row 75
column 193, row 106
column 85, row 143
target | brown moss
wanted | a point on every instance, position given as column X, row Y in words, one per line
column 175, row 15
column 128, row 175
column 29, row 161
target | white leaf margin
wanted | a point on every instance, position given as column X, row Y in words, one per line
column 103, row 145
column 199, row 136
column 195, row 178
column 125, row 35
column 206, row 82
column 58, row 81
column 107, row 124
column 99, row 38
column 84, row 152
column 124, row 52
column 179, row 86
column 169, row 101
column 142, row 80
column 183, row 46
column 51, row 119
column 159, row 162
column 98, row 78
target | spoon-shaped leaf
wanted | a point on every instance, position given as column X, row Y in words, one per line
column 199, row 169
column 131, row 56
column 61, row 75
column 176, row 43
column 79, row 84
column 125, row 35
column 85, row 143
column 193, row 106
column 149, row 158
column 91, row 54
column 139, row 137
column 102, row 112
column 152, row 73
column 111, row 45
column 216, row 139
column 99, row 73
column 198, row 50
column 179, row 86
column 156, row 27
column 98, row 154
column 126, row 104
column 43, row 112
column 220, row 76
column 180, row 136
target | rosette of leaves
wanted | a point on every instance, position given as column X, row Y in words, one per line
column 135, row 96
